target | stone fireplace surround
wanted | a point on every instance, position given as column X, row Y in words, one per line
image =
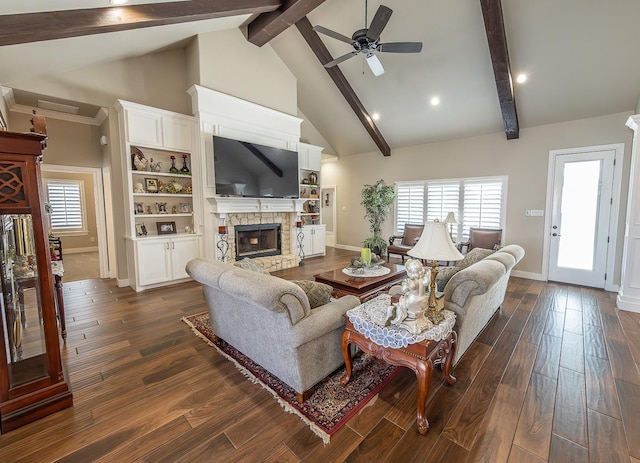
column 287, row 259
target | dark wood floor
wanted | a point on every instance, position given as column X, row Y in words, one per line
column 553, row 378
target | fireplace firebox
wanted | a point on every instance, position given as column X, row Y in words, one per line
column 258, row 240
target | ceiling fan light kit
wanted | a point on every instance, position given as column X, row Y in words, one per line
column 367, row 42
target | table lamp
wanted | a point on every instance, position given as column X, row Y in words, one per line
column 434, row 245
column 451, row 221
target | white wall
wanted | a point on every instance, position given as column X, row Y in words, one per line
column 228, row 63
column 524, row 161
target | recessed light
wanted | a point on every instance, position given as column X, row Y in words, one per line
column 521, row 79
column 375, row 116
column 435, row 101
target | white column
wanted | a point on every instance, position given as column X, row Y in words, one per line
column 629, row 294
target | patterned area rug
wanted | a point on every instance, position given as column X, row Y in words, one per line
column 331, row 405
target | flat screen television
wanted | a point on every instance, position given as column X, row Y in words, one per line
column 255, row 171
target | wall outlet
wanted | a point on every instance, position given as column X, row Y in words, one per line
column 537, row 213
column 92, row 239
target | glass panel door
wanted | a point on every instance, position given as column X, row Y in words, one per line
column 22, row 323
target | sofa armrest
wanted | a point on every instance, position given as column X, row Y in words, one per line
column 473, row 280
column 322, row 319
column 392, row 238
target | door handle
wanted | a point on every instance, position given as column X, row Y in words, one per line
column 555, row 234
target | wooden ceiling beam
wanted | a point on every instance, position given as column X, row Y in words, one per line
column 323, row 55
column 268, row 25
column 36, row 27
column 497, row 39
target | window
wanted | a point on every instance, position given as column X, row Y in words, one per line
column 476, row 202
column 409, row 204
column 66, row 199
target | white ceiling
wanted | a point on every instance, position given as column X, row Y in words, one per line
column 580, row 56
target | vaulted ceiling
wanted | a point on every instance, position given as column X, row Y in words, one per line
column 579, row 57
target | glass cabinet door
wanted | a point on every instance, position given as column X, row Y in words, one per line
column 22, row 322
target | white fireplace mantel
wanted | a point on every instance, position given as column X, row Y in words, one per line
column 222, row 205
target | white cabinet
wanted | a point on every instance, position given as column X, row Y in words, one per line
column 161, row 260
column 313, row 241
column 163, row 193
column 309, row 157
column 156, row 128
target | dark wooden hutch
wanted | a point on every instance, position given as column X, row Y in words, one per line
column 32, row 380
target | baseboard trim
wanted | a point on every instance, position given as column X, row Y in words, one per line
column 628, row 304
column 122, row 282
column 79, row 250
column 528, row 275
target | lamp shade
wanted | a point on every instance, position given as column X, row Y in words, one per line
column 451, row 218
column 435, row 244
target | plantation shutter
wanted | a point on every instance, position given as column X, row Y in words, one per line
column 65, row 199
column 442, row 198
column 482, row 204
column 409, row 205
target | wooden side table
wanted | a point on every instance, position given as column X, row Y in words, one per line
column 420, row 357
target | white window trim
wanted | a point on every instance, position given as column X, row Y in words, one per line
column 80, row 231
column 459, row 228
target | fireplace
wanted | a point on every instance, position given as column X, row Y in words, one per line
column 258, row 240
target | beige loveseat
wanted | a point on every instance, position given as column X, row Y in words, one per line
column 270, row 321
column 476, row 292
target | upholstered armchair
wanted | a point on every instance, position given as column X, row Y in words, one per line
column 485, row 238
column 408, row 239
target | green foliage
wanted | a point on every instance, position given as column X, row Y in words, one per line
column 377, row 200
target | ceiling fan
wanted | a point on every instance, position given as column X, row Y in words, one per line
column 367, row 41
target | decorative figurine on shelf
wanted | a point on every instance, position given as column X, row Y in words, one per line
column 137, row 188
column 173, row 169
column 174, row 187
column 139, row 162
column 149, row 210
column 185, row 169
column 188, row 189
column 174, row 209
column 155, row 166
column 313, row 178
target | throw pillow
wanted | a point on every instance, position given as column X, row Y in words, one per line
column 444, row 275
column 473, row 256
column 317, row 293
column 249, row 264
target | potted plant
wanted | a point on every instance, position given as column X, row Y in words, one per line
column 377, row 200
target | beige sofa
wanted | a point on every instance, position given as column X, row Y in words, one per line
column 476, row 292
column 271, row 321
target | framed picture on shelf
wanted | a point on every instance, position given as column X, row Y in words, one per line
column 185, row 208
column 139, row 208
column 166, row 228
column 161, row 208
column 141, row 230
column 151, row 185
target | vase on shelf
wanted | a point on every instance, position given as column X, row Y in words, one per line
column 173, row 169
column 184, row 169
column 313, row 178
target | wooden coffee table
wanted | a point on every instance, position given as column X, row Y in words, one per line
column 364, row 288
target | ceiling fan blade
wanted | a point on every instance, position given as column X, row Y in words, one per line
column 332, row 34
column 379, row 22
column 375, row 65
column 340, row 59
column 400, row 47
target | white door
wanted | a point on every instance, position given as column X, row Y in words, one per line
column 580, row 217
